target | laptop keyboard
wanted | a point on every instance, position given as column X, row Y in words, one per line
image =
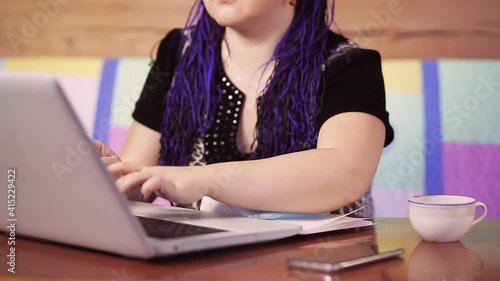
column 168, row 229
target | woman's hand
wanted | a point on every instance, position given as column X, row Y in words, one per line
column 176, row 184
column 108, row 156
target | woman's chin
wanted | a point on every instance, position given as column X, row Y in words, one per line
column 228, row 20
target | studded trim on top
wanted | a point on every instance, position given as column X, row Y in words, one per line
column 219, row 143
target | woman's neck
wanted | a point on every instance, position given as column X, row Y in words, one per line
column 247, row 51
column 251, row 50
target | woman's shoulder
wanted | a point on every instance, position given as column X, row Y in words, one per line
column 168, row 46
column 173, row 36
column 344, row 54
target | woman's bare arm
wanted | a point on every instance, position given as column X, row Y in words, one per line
column 324, row 179
column 142, row 145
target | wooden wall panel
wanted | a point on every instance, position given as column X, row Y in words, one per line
column 115, row 28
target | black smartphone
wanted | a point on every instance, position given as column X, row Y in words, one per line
column 325, row 266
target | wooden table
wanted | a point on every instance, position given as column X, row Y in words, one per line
column 476, row 257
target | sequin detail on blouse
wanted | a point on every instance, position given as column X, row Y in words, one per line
column 220, row 139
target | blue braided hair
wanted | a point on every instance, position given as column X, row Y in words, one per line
column 286, row 111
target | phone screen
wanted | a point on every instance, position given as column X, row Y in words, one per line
column 344, row 257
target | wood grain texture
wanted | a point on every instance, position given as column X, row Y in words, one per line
column 475, row 257
column 117, row 28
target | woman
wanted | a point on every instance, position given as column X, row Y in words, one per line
column 257, row 105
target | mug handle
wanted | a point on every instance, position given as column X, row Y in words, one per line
column 483, row 214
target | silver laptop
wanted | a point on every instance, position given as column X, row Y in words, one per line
column 57, row 188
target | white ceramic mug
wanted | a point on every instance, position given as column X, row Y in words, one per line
column 443, row 218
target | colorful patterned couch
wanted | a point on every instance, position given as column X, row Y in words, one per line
column 445, row 114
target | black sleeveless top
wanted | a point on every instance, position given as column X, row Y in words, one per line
column 353, row 82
